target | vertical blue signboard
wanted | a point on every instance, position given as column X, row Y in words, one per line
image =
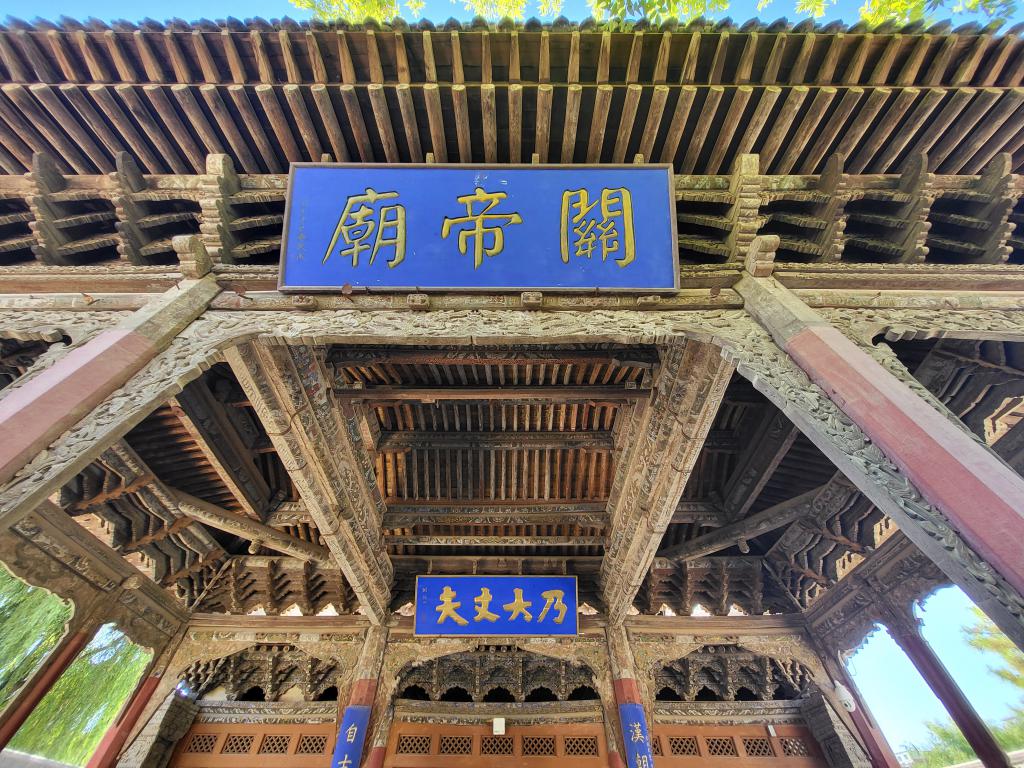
column 348, row 750
column 416, row 227
column 635, row 736
column 491, row 606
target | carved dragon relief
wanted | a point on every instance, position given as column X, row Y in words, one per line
column 743, row 341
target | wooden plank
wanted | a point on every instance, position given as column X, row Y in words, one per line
column 41, row 121
column 235, row 62
column 55, row 107
column 329, row 118
column 125, row 129
column 877, row 97
column 355, row 122
column 291, row 65
column 240, row 97
column 316, row 59
column 435, row 120
column 409, row 123
column 836, row 126
column 733, row 120
column 207, row 65
column 151, row 63
column 110, row 139
column 808, row 127
column 599, row 122
column 705, row 123
column 488, row 110
column 123, row 65
column 382, row 117
column 153, row 128
column 753, row 129
column 264, row 69
column 542, row 133
column 407, row 440
column 460, row 109
column 882, row 130
column 655, row 113
column 627, row 119
column 515, row 123
column 579, row 394
column 195, row 156
column 573, row 99
column 221, row 116
column 69, row 67
column 278, row 123
column 680, row 115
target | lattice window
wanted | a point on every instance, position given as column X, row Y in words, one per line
column 202, row 742
column 722, row 747
column 538, row 746
column 580, row 746
column 684, row 746
column 311, row 745
column 758, row 747
column 496, row 745
column 656, row 746
column 275, row 744
column 794, row 747
column 414, row 745
column 456, row 745
column 237, row 745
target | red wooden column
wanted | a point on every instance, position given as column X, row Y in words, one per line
column 364, row 692
column 33, row 415
column 109, row 748
column 906, row 631
column 636, row 736
column 981, row 496
column 44, row 678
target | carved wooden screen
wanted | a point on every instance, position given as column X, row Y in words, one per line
column 255, row 745
column 735, row 746
column 440, row 745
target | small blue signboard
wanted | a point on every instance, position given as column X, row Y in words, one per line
column 469, row 227
column 635, row 736
column 490, row 606
column 348, row 750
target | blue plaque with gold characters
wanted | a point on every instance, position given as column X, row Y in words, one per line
column 470, row 227
column 492, row 606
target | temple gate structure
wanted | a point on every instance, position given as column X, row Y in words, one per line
column 746, row 475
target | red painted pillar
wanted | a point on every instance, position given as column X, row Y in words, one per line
column 109, row 748
column 636, row 736
column 905, row 630
column 28, row 698
column 875, row 743
column 981, row 496
column 35, row 414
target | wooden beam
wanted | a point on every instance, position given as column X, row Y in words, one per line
column 471, row 540
column 319, row 444
column 765, row 450
column 814, row 502
column 354, row 357
column 258, row 533
column 407, row 440
column 699, row 512
column 209, row 424
column 383, row 395
column 405, row 514
column 662, row 449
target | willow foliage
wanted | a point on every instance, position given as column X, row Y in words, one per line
column 70, row 721
column 658, row 11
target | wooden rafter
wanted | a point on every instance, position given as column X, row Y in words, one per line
column 766, row 448
column 326, row 461
column 665, row 441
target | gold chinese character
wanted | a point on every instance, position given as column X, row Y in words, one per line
column 518, row 606
column 447, row 608
column 345, row 762
column 362, row 232
column 636, row 732
column 554, row 597
column 642, row 761
column 351, row 733
column 483, row 604
column 583, row 230
column 477, row 228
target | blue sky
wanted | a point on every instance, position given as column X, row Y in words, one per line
column 897, row 696
column 437, row 10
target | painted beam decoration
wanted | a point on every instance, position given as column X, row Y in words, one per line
column 470, row 227
column 493, row 606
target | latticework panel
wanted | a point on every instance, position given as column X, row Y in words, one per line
column 683, row 746
column 580, row 746
column 275, row 744
column 202, row 743
column 456, row 745
column 538, row 746
column 656, row 746
column 758, row 747
column 414, row 745
column 794, row 747
column 722, row 747
column 311, row 745
column 496, row 745
column 237, row 744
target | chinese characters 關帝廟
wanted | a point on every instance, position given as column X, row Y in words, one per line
column 608, row 228
column 363, row 227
